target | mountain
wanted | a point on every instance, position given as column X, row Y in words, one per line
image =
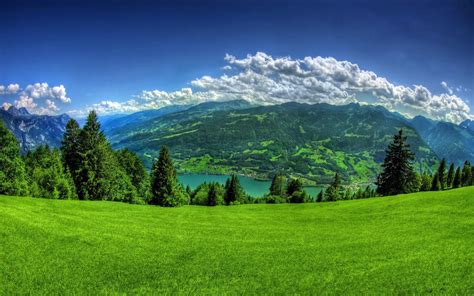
column 450, row 141
column 141, row 116
column 469, row 124
column 34, row 130
column 311, row 141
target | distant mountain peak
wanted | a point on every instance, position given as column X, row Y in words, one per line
column 17, row 112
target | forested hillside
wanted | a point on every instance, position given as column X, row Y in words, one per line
column 311, row 141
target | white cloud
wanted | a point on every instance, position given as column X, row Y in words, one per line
column 9, row 89
column 44, row 91
column 26, row 102
column 263, row 79
column 38, row 98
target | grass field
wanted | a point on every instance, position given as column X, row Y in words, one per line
column 412, row 244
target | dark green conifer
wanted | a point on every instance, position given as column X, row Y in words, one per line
column 13, row 180
column 435, row 183
column 397, row 168
column 457, row 178
column 442, row 174
column 165, row 189
column 278, row 186
column 233, row 191
column 450, row 176
column 333, row 192
column 212, row 195
column 466, row 174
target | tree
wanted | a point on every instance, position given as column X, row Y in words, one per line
column 333, row 192
column 320, row 196
column 47, row 175
column 425, row 182
column 165, row 189
column 212, row 195
column 397, row 168
column 277, row 186
column 293, row 186
column 450, row 177
column 136, row 172
column 457, row 178
column 466, row 174
column 233, row 191
column 70, row 149
column 12, row 168
column 99, row 175
column 435, row 183
column 442, row 173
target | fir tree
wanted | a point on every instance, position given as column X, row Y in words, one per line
column 99, row 175
column 466, row 174
column 425, row 182
column 277, row 186
column 450, row 177
column 70, row 149
column 294, row 185
column 442, row 174
column 435, row 183
column 13, row 179
column 457, row 178
column 165, row 189
column 212, row 195
column 397, row 168
column 136, row 172
column 47, row 176
column 320, row 196
column 333, row 192
column 233, row 191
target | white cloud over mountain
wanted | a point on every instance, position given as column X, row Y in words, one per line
column 38, row 98
column 263, row 79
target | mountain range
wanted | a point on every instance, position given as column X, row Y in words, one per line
column 311, row 141
column 34, row 130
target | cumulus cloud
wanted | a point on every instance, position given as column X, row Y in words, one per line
column 264, row 79
column 9, row 89
column 38, row 98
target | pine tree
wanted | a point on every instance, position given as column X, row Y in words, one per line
column 333, row 192
column 450, row 177
column 320, row 196
column 466, row 174
column 295, row 191
column 99, row 175
column 13, row 179
column 442, row 174
column 435, row 183
column 457, row 178
column 136, row 172
column 397, row 168
column 165, row 189
column 70, row 149
column 212, row 195
column 425, row 182
column 277, row 186
column 47, row 176
column 233, row 191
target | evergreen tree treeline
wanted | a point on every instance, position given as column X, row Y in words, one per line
column 86, row 167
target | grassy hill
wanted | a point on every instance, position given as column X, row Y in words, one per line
column 411, row 244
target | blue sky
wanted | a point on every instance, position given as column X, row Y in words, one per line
column 113, row 51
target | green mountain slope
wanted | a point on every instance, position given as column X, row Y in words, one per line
column 312, row 141
column 450, row 141
column 403, row 245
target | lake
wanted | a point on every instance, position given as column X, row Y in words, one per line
column 255, row 188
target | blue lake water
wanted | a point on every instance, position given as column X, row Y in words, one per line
column 254, row 188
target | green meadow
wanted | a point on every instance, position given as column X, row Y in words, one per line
column 408, row 244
